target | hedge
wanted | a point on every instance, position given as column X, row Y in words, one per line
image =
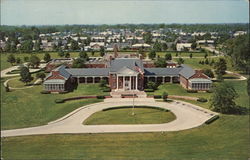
column 45, row 92
column 192, row 91
column 150, row 107
column 106, row 89
column 212, row 119
column 149, row 90
column 63, row 92
column 59, row 100
column 100, row 97
column 202, row 99
column 157, row 96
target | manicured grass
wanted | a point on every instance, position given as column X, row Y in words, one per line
column 177, row 89
column 124, row 116
column 183, row 54
column 16, row 83
column 28, row 107
column 227, row 138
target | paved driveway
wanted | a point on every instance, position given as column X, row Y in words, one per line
column 187, row 116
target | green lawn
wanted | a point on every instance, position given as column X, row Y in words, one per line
column 16, row 83
column 183, row 54
column 124, row 116
column 28, row 107
column 226, row 138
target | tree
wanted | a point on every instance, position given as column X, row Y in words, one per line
column 18, row 60
column 103, row 83
column 26, row 59
column 47, row 57
column 209, row 73
column 157, row 46
column 11, row 59
column 161, row 62
column 61, row 54
column 180, row 61
column 176, row 54
column 25, row 75
column 78, row 63
column 220, row 66
column 67, row 55
column 194, row 45
column 168, row 56
column 34, row 61
column 164, row 46
column 147, row 37
column 248, row 86
column 40, row 75
column 74, row 45
column 165, row 96
column 151, row 85
column 141, row 52
column 223, row 98
column 205, row 56
column 83, row 55
column 152, row 54
column 102, row 51
column 206, row 61
column 37, row 46
column 26, row 46
column 191, row 55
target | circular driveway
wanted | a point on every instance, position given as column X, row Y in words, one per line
column 187, row 116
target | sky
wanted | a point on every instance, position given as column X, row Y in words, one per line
column 59, row 12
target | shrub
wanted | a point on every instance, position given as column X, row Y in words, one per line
column 164, row 96
column 63, row 92
column 100, row 97
column 45, row 92
column 192, row 91
column 202, row 99
column 59, row 100
column 157, row 96
column 209, row 91
column 106, row 89
column 149, row 90
column 212, row 119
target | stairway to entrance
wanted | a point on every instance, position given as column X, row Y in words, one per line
column 129, row 94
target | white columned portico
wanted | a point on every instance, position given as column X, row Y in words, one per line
column 123, row 82
column 117, row 77
column 136, row 82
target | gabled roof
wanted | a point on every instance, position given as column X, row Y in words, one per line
column 131, row 63
column 62, row 71
column 127, row 71
column 186, row 71
column 88, row 71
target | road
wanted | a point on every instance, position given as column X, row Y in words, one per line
column 187, row 116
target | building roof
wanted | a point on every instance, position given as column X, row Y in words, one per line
column 54, row 81
column 127, row 71
column 187, row 71
column 88, row 71
column 62, row 72
column 131, row 63
column 163, row 71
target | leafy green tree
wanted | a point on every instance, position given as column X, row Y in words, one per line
column 157, row 46
column 74, row 45
column 34, row 61
column 248, row 86
column 11, row 59
column 7, row 47
column 194, row 45
column 26, row 59
column 37, row 46
column 168, row 56
column 46, row 57
column 102, row 51
column 83, row 55
column 18, row 60
column 151, row 85
column 209, row 73
column 147, row 37
column 141, row 52
column 161, row 62
column 205, row 56
column 78, row 63
column 27, row 46
column 61, row 54
column 67, row 55
column 103, row 83
column 180, row 61
column 220, row 66
column 152, row 54
column 164, row 46
column 165, row 96
column 206, row 61
column 25, row 75
column 223, row 98
column 40, row 75
column 176, row 54
column 191, row 55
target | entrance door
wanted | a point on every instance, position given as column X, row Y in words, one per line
column 127, row 85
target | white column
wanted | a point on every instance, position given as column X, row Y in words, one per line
column 117, row 82
column 130, row 84
column 163, row 79
column 123, row 82
column 136, row 81
column 171, row 79
column 93, row 79
column 78, row 80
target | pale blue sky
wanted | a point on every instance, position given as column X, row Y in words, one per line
column 43, row 12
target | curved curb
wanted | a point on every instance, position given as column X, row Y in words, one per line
column 187, row 116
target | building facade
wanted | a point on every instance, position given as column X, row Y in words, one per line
column 126, row 74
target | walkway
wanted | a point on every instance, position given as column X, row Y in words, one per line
column 38, row 81
column 188, row 116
